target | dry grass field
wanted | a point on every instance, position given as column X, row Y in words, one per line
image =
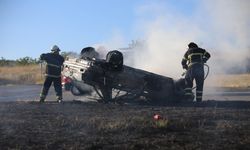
column 30, row 74
column 229, row 81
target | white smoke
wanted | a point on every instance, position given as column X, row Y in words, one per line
column 113, row 43
column 229, row 25
column 219, row 26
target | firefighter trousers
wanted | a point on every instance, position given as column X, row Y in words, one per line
column 195, row 72
column 57, row 85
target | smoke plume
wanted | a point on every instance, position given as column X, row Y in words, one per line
column 219, row 26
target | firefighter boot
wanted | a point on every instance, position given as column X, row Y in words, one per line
column 198, row 99
column 190, row 98
column 42, row 99
column 189, row 95
column 59, row 99
column 199, row 96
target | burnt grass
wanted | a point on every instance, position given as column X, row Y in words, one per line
column 88, row 125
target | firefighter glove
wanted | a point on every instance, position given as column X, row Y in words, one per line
column 185, row 67
column 42, row 56
column 204, row 60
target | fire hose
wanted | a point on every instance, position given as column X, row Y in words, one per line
column 207, row 71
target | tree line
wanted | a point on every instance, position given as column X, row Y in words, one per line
column 27, row 60
column 18, row 62
column 31, row 61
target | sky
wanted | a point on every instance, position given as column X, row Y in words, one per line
column 29, row 27
column 32, row 27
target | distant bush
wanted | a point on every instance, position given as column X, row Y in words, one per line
column 20, row 62
column 5, row 62
column 26, row 61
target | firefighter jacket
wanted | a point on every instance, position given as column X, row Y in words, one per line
column 54, row 63
column 194, row 56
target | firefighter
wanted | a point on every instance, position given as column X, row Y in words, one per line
column 193, row 61
column 53, row 73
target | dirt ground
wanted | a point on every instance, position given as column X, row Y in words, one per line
column 89, row 125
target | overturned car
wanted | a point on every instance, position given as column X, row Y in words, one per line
column 115, row 82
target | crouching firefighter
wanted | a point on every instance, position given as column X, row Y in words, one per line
column 193, row 61
column 53, row 73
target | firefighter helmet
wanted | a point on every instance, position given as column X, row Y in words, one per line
column 55, row 48
column 192, row 45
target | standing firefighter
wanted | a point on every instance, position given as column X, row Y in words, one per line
column 193, row 61
column 53, row 73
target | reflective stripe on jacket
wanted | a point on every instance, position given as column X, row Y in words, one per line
column 195, row 55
